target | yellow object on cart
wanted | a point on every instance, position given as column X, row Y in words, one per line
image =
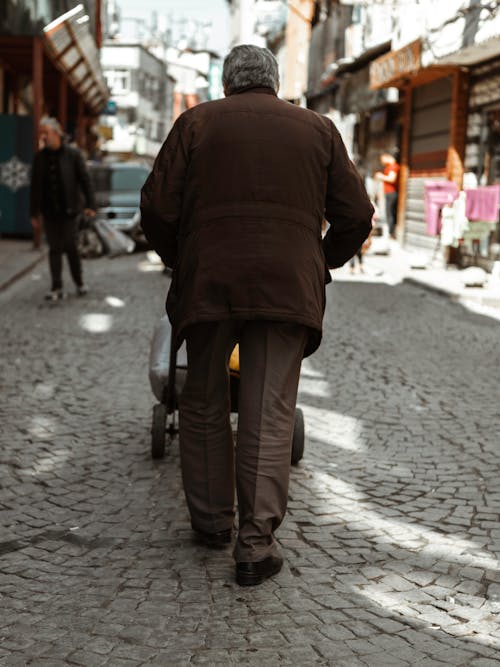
column 234, row 360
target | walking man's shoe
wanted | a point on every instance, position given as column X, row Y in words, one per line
column 82, row 290
column 214, row 540
column 54, row 295
column 252, row 574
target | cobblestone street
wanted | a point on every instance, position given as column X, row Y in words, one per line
column 392, row 539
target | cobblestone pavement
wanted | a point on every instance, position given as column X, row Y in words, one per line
column 392, row 539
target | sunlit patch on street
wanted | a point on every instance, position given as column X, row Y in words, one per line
column 57, row 457
column 96, row 322
column 149, row 267
column 42, row 427
column 44, row 390
column 114, row 302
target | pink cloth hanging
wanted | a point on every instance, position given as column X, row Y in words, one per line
column 436, row 195
column 482, row 203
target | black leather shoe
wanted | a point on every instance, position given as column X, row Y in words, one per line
column 214, row 540
column 252, row 574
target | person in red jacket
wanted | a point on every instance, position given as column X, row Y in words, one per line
column 235, row 204
column 390, row 178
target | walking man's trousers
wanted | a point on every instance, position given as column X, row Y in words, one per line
column 270, row 359
column 391, row 210
column 62, row 238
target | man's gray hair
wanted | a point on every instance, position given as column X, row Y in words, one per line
column 248, row 65
column 53, row 123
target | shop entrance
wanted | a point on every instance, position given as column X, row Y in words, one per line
column 492, row 152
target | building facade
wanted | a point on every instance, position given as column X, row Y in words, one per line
column 419, row 79
column 295, row 61
column 284, row 27
column 255, row 21
column 139, row 114
column 444, row 61
column 49, row 64
column 345, row 40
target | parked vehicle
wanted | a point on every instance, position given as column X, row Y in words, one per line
column 117, row 187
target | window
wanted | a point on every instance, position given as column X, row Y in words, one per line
column 118, row 80
column 109, row 179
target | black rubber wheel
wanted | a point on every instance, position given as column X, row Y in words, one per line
column 298, row 437
column 158, row 431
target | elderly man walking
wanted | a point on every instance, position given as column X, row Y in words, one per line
column 59, row 182
column 235, row 204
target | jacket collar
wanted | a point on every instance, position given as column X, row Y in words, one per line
column 266, row 90
column 59, row 150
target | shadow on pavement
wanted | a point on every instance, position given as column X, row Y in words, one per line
column 98, row 564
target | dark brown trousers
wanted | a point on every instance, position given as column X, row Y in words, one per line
column 270, row 359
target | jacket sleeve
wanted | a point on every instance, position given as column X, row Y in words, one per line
column 347, row 207
column 162, row 194
column 36, row 186
column 84, row 182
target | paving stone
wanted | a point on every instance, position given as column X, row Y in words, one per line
column 362, row 647
column 383, row 659
column 334, row 651
column 133, row 652
column 87, row 659
column 48, row 662
column 338, row 632
column 391, row 540
column 176, row 657
column 420, row 577
column 456, row 656
column 219, row 657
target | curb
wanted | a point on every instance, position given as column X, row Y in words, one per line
column 453, row 295
column 22, row 272
column 442, row 291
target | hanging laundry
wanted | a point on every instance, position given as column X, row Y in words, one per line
column 454, row 221
column 483, row 203
column 436, row 195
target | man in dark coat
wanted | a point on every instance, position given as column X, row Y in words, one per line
column 59, row 178
column 235, row 205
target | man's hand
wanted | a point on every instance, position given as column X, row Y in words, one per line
column 379, row 176
column 89, row 212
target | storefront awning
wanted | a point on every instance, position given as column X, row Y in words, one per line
column 473, row 54
column 73, row 50
column 392, row 68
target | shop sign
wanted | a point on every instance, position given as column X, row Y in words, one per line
column 391, row 67
column 106, row 132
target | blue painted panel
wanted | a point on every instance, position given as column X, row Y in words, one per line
column 16, row 155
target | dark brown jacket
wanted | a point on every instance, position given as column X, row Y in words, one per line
column 235, row 203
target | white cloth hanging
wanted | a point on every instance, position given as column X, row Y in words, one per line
column 454, row 221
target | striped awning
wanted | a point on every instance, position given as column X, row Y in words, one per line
column 73, row 50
